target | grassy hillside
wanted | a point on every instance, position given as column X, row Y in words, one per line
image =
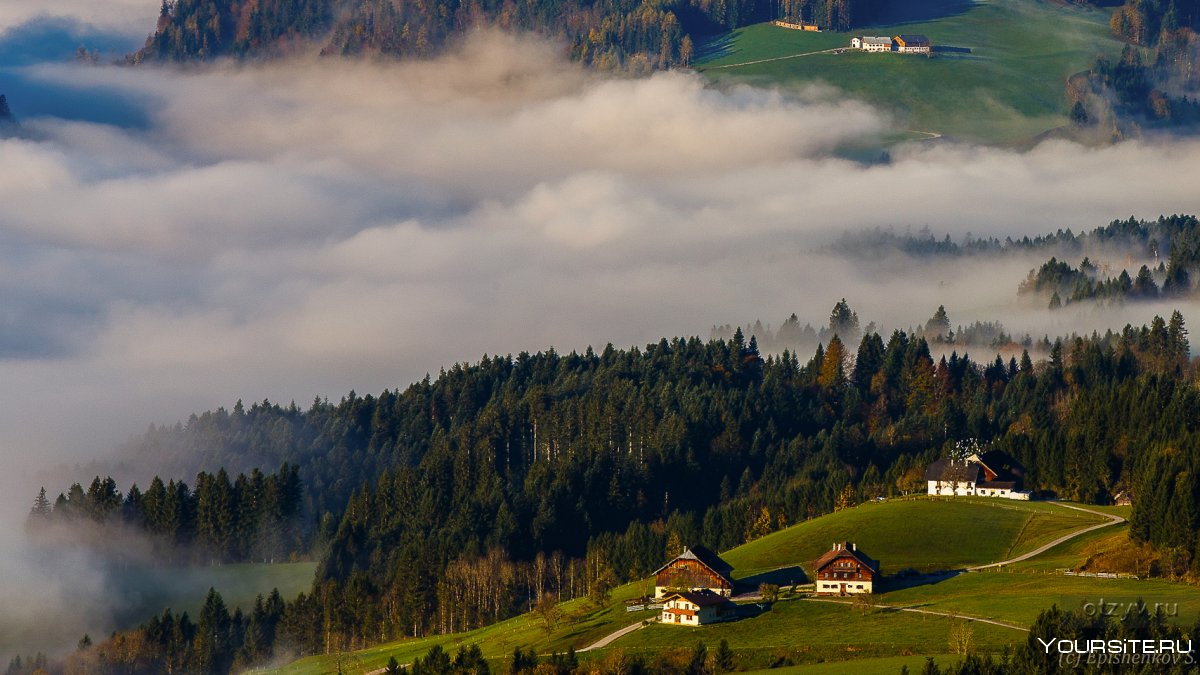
column 1008, row 89
column 807, row 632
column 1017, row 597
column 916, row 533
column 902, row 533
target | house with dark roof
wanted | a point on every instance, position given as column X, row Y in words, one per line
column 696, row 569
column 912, row 44
column 696, row 608
column 845, row 570
column 992, row 474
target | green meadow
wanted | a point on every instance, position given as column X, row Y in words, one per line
column 801, row 631
column 922, row 533
column 1018, row 596
column 1008, row 89
column 150, row 590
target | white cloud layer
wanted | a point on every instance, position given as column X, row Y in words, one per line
column 296, row 229
column 305, row 228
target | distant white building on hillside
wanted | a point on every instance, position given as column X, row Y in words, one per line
column 992, row 474
column 869, row 43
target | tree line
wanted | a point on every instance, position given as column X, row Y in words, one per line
column 253, row 517
column 608, row 34
column 1174, row 241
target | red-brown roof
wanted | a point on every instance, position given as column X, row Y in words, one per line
column 705, row 557
column 846, row 549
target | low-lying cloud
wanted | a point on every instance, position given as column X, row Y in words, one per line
column 289, row 230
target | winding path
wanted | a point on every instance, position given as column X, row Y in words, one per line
column 1112, row 520
column 835, row 50
column 608, row 639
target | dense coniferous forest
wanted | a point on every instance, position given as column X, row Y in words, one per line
column 1154, row 84
column 469, row 495
column 1173, row 241
column 609, row 34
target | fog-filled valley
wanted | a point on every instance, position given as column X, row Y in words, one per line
column 176, row 239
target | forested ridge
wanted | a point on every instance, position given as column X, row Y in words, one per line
column 1106, row 272
column 470, row 496
column 1154, row 84
column 610, row 34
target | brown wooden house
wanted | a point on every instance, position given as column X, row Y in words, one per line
column 845, row 570
column 696, row 569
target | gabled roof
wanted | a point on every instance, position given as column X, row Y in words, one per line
column 913, row 39
column 874, row 40
column 948, row 470
column 699, row 598
column 843, row 550
column 705, row 557
column 1005, row 467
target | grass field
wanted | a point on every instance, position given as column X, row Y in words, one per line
column 1017, row 597
column 915, row 532
column 805, row 632
column 1070, row 554
column 150, row 590
column 1009, row 89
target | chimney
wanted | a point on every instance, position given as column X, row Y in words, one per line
column 853, row 547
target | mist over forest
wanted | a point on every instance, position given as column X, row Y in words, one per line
column 173, row 240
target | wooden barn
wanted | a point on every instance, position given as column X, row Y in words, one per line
column 845, row 570
column 696, row 569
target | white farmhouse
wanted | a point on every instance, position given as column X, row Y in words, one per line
column 993, row 474
column 696, row 608
column 872, row 43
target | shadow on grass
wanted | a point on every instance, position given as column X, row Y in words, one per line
column 784, row 576
column 718, row 46
column 751, row 610
column 921, row 11
column 899, row 583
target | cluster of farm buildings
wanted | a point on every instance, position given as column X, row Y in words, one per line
column 902, row 44
column 696, row 587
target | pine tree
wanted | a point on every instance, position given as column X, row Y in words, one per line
column 213, row 653
column 41, row 506
column 724, row 657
